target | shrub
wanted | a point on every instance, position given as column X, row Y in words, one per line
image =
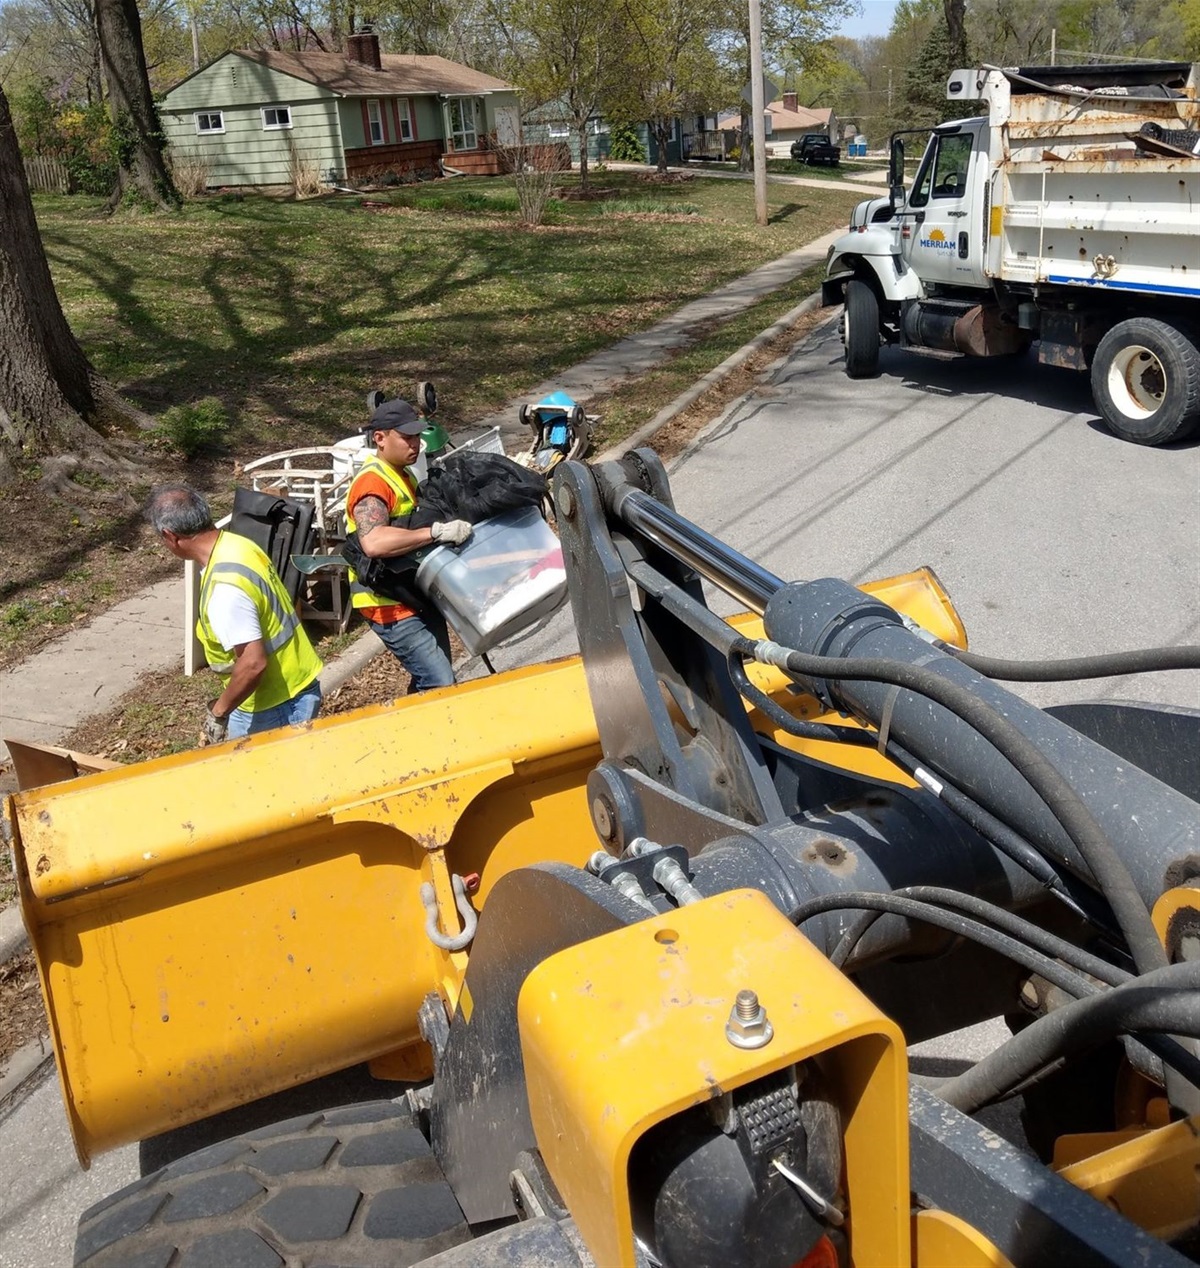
column 191, row 171
column 624, row 145
column 192, row 429
column 304, row 172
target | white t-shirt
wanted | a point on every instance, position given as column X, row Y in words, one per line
column 232, row 615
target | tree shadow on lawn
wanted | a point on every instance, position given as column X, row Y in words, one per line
column 299, row 311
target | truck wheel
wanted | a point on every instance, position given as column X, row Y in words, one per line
column 356, row 1186
column 860, row 331
column 1146, row 381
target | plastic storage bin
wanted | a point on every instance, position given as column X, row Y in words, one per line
column 503, row 579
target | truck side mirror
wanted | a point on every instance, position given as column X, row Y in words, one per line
column 896, row 172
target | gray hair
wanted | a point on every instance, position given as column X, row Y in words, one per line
column 178, row 509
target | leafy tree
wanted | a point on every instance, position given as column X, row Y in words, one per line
column 670, row 68
column 565, row 52
column 794, row 30
column 925, row 80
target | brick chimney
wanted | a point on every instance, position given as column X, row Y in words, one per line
column 363, row 48
column 789, row 101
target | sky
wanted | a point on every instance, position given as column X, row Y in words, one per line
column 876, row 19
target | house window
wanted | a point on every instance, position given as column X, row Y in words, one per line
column 374, row 123
column 559, row 130
column 404, row 118
column 210, row 121
column 461, row 123
column 276, row 117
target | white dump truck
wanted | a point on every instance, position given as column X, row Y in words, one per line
column 1066, row 214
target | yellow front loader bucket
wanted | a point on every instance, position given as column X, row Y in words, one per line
column 219, row 925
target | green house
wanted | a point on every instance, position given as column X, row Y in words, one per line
column 259, row 116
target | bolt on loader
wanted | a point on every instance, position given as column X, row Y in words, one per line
column 642, row 938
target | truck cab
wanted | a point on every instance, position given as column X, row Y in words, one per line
column 1065, row 215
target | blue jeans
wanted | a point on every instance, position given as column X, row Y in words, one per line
column 302, row 707
column 422, row 645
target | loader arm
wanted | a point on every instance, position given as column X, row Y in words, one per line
column 725, row 873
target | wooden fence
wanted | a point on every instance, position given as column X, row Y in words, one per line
column 47, row 175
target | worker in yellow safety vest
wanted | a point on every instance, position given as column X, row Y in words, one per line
column 381, row 497
column 247, row 625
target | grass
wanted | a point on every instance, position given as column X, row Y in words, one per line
column 288, row 312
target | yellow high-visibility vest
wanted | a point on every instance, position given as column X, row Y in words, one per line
column 292, row 664
column 406, row 503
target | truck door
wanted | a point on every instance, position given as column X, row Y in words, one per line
column 941, row 226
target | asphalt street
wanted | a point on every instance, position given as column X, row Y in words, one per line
column 1053, row 538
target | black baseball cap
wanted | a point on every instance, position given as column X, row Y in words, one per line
column 398, row 416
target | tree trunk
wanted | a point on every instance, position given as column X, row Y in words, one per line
column 956, row 29
column 745, row 137
column 139, row 138
column 662, row 138
column 583, row 158
column 47, row 387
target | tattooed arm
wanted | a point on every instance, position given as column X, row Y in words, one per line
column 378, row 539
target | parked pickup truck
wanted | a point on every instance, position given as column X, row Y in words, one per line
column 816, row 147
column 1064, row 216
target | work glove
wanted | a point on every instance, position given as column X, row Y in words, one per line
column 450, row 532
column 214, row 729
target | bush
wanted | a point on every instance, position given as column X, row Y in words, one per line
column 190, row 170
column 624, row 144
column 193, row 429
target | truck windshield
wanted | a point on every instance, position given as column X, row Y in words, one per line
column 943, row 173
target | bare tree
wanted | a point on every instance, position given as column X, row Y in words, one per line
column 49, row 394
column 140, row 144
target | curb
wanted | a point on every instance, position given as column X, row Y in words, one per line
column 361, row 652
column 14, row 940
column 24, row 1066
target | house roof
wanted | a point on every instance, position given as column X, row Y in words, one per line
column 402, row 74
column 799, row 120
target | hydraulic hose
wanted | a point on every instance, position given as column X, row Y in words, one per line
column 1166, row 1001
column 1004, row 920
column 1063, row 802
column 1146, row 660
column 1064, row 976
column 1029, row 957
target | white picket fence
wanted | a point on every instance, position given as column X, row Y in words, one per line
column 47, row 175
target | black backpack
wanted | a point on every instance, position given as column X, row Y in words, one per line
column 279, row 527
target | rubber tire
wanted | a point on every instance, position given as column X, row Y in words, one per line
column 1115, row 380
column 861, row 331
column 427, row 399
column 375, row 398
column 356, row 1186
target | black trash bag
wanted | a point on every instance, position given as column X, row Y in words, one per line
column 475, row 486
column 395, row 578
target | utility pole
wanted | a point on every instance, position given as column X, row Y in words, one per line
column 758, row 109
column 1053, row 43
column 889, row 71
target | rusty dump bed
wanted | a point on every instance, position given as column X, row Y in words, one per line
column 215, row 926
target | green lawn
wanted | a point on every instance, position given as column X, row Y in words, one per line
column 289, row 312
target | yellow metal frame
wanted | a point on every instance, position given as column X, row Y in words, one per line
column 628, row 1030
column 218, row 925
column 1152, row 1178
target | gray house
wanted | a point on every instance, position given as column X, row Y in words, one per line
column 254, row 114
